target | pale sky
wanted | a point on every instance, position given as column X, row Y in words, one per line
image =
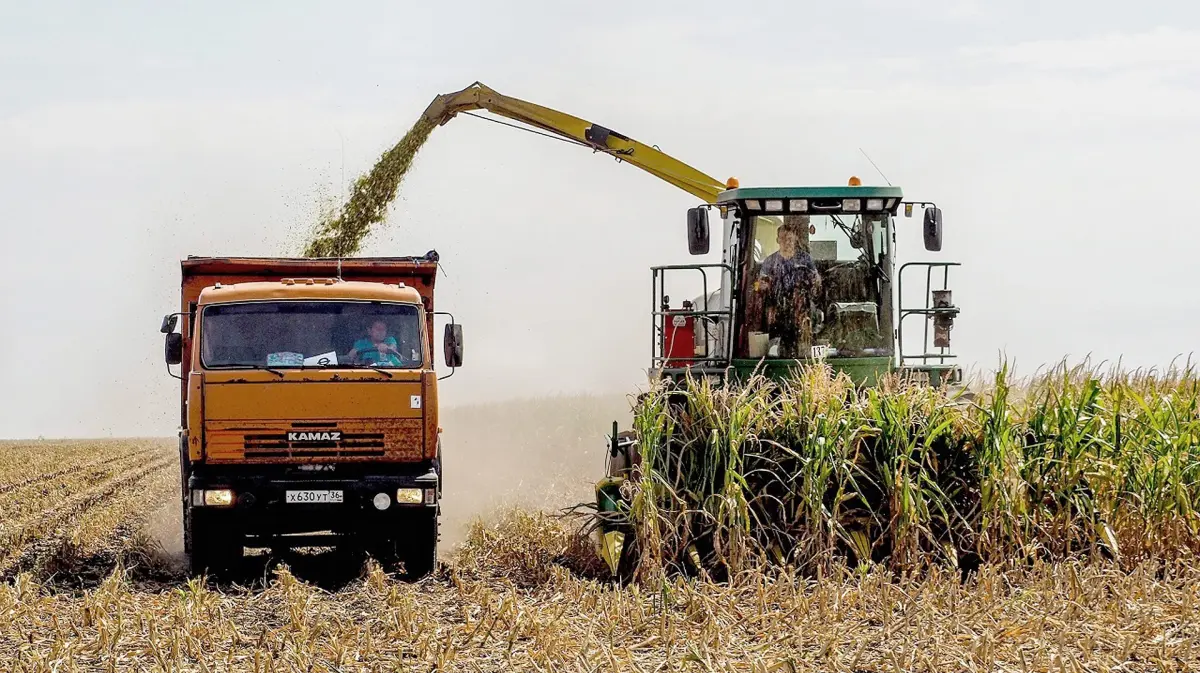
column 1060, row 139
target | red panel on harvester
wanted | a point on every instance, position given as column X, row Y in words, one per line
column 679, row 340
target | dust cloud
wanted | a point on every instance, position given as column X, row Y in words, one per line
column 541, row 453
column 165, row 528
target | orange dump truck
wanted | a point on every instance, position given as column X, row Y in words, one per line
column 309, row 409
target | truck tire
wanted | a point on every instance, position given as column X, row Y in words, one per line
column 210, row 549
column 411, row 543
column 418, row 549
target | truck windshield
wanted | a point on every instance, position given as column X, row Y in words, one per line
column 818, row 283
column 279, row 334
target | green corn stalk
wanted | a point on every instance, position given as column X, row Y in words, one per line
column 809, row 470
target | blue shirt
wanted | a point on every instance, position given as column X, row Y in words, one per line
column 789, row 275
column 369, row 354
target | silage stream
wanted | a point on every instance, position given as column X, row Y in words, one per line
column 342, row 235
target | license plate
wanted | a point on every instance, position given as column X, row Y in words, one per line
column 319, row 497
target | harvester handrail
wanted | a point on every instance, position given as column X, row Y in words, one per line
column 927, row 311
column 659, row 314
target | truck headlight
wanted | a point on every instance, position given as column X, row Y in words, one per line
column 218, row 497
column 409, row 496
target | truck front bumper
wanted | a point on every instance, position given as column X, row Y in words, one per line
column 260, row 504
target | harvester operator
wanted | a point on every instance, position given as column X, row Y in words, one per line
column 789, row 285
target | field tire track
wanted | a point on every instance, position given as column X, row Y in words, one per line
column 55, row 492
column 49, row 476
column 36, row 526
column 64, row 561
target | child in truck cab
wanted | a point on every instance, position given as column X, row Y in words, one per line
column 378, row 348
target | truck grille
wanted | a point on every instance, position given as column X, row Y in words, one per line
column 310, row 440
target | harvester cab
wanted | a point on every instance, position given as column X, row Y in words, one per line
column 807, row 274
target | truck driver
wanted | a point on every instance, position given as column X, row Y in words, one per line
column 377, row 348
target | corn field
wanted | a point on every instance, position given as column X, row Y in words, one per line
column 1072, row 464
column 1081, row 566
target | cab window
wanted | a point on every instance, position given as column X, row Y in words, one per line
column 311, row 334
column 812, row 285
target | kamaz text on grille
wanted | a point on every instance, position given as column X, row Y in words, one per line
column 334, row 436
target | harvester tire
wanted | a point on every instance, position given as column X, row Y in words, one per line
column 627, row 564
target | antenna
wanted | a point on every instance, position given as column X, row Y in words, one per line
column 342, row 139
column 864, row 153
column 339, row 268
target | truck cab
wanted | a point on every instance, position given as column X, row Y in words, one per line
column 309, row 412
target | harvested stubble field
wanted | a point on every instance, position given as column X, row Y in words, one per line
column 70, row 508
column 90, row 583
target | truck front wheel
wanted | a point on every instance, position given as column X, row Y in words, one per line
column 419, row 548
column 211, row 548
column 412, row 542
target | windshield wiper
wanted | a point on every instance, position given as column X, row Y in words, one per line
column 864, row 244
column 340, row 366
column 378, row 369
column 348, row 365
column 849, row 232
column 253, row 367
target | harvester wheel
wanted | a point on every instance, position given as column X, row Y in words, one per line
column 628, row 564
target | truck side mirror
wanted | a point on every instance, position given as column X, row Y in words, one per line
column 697, row 233
column 174, row 348
column 168, row 323
column 452, row 345
column 933, row 229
